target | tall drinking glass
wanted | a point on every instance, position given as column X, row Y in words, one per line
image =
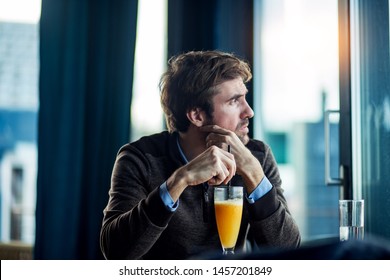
column 351, row 214
column 228, row 203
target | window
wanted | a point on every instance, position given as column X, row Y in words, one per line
column 370, row 109
column 19, row 66
column 150, row 60
column 296, row 79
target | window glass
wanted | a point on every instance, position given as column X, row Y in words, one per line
column 371, row 111
column 295, row 81
column 19, row 67
column 150, row 61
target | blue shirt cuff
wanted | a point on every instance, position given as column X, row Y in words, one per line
column 167, row 199
column 262, row 189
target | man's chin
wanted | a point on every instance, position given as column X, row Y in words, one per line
column 244, row 138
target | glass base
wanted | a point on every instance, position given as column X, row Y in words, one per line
column 228, row 251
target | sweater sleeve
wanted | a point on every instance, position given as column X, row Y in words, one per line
column 134, row 217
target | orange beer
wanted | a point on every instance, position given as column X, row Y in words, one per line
column 228, row 214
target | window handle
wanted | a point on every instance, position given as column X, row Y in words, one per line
column 329, row 181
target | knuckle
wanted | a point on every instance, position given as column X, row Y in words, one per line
column 214, row 150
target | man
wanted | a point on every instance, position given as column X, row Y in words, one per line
column 160, row 204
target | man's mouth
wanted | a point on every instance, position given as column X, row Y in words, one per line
column 244, row 125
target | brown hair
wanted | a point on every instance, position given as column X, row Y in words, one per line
column 190, row 82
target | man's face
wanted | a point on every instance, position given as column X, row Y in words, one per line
column 231, row 111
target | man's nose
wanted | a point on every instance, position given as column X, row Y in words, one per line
column 247, row 112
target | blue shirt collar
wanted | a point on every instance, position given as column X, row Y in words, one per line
column 180, row 149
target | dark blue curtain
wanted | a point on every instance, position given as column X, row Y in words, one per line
column 226, row 25
column 86, row 74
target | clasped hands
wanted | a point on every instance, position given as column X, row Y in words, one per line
column 216, row 165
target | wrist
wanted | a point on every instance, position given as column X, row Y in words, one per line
column 252, row 175
column 176, row 184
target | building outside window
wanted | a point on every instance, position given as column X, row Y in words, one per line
column 19, row 68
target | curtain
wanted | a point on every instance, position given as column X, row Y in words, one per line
column 211, row 24
column 85, row 87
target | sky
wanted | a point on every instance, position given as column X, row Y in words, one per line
column 26, row 11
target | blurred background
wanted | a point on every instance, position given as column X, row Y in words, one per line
column 78, row 79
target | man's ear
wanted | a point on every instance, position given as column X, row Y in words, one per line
column 197, row 117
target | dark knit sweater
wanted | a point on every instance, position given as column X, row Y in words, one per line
column 136, row 224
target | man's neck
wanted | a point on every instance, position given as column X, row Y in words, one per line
column 192, row 142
